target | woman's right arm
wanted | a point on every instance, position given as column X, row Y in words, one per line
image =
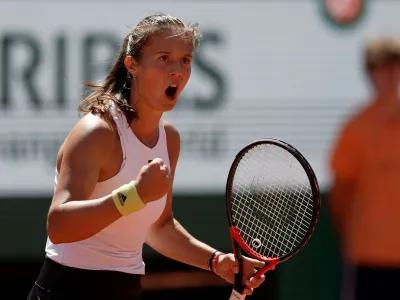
column 87, row 149
column 71, row 216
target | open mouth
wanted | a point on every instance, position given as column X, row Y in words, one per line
column 171, row 91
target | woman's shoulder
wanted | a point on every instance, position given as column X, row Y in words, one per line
column 95, row 127
column 171, row 132
column 91, row 132
column 173, row 139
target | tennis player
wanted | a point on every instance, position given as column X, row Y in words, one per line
column 114, row 175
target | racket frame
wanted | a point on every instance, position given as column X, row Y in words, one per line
column 238, row 243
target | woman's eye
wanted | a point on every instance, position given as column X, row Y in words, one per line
column 163, row 58
column 186, row 60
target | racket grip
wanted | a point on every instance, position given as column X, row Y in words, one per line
column 236, row 296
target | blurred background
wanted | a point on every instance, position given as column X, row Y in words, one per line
column 289, row 69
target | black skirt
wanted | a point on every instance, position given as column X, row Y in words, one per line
column 59, row 282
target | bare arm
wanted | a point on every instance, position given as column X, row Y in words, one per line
column 173, row 241
column 167, row 236
column 87, row 150
column 71, row 216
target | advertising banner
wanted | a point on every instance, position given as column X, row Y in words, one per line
column 264, row 69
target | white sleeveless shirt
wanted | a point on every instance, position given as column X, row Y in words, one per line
column 118, row 247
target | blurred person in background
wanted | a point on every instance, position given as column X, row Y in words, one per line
column 365, row 197
column 114, row 174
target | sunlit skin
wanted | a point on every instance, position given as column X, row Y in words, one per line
column 105, row 177
column 166, row 60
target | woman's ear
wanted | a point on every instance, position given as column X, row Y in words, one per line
column 131, row 65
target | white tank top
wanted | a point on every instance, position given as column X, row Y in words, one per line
column 119, row 246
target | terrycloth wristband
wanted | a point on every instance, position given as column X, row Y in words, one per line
column 127, row 200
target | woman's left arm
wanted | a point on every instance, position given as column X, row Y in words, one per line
column 172, row 240
column 168, row 237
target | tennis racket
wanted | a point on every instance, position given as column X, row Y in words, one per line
column 272, row 202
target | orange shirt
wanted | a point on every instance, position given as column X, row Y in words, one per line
column 367, row 154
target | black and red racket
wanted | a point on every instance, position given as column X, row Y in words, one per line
column 273, row 204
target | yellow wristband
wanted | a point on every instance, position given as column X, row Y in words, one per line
column 127, row 199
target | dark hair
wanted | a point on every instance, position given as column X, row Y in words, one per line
column 116, row 87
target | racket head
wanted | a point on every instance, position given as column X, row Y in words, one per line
column 271, row 220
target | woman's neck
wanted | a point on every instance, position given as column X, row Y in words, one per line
column 145, row 127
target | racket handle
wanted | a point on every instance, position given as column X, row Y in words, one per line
column 236, row 296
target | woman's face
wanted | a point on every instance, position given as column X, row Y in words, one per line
column 162, row 72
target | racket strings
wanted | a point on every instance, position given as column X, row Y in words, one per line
column 251, row 227
column 272, row 201
column 295, row 237
column 255, row 226
column 279, row 234
column 276, row 210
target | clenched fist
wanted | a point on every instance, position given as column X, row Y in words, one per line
column 153, row 181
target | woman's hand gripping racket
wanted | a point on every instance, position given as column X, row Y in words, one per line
column 273, row 203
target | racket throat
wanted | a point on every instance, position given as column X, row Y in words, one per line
column 269, row 265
